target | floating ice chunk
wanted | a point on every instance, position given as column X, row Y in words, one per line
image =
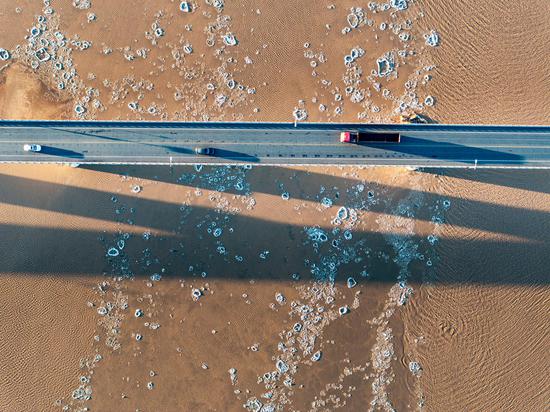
column 317, row 235
column 113, row 252
column 317, row 356
column 138, row 313
column 446, row 203
column 432, row 239
column 285, row 196
column 230, row 40
column 120, row 244
column 351, row 282
column 399, row 4
column 343, row 310
column 432, row 39
column 299, row 114
column 415, row 368
column 353, row 20
column 281, row 366
column 429, row 101
column 35, row 31
column 326, row 202
column 385, row 65
column 347, row 235
column 217, row 232
column 185, row 7
column 155, row 277
column 79, row 109
column 279, row 297
column 4, row 54
column 342, row 213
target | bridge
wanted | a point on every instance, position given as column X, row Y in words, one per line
column 173, row 143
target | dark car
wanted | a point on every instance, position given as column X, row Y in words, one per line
column 206, row 151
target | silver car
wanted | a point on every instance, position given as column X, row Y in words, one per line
column 32, row 148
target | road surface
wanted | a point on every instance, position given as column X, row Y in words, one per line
column 172, row 143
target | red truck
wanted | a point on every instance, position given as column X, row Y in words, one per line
column 369, row 137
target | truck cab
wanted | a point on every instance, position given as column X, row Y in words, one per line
column 369, row 137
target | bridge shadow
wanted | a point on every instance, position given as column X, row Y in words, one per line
column 184, row 241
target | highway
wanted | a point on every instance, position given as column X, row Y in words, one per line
column 173, row 143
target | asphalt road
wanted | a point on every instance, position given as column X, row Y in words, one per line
column 273, row 144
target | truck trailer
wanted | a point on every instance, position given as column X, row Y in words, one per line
column 369, row 137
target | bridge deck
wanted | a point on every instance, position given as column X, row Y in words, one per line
column 273, row 144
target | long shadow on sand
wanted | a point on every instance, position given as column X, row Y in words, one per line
column 50, row 250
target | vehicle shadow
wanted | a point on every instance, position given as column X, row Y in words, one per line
column 445, row 151
column 55, row 151
column 233, row 155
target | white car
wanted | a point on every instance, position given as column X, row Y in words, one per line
column 32, row 147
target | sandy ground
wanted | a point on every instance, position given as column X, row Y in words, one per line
column 476, row 269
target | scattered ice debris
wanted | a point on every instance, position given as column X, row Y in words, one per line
column 79, row 109
column 299, row 114
column 120, row 244
column 285, row 196
column 102, row 310
column 446, row 203
column 146, row 235
column 113, row 252
column 155, row 277
column 230, row 40
column 317, row 356
column 432, row 239
column 136, row 189
column 150, row 385
column 343, row 310
column 429, row 101
column 326, row 202
column 281, row 366
column 432, row 39
column 415, row 368
column 342, row 213
column 279, row 297
column 317, row 234
column 399, row 4
column 233, row 376
column 185, row 7
column 404, row 294
column 4, row 54
column 196, row 294
column 82, row 393
column 297, row 327
column 138, row 313
column 385, row 65
column 82, row 4
column 351, row 282
column 348, row 235
column 217, row 232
